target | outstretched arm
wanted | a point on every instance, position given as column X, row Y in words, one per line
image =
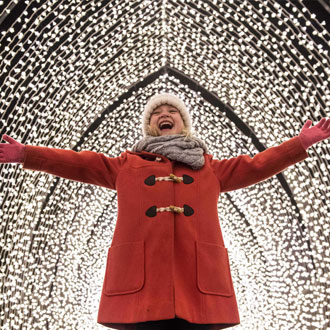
column 244, row 171
column 84, row 166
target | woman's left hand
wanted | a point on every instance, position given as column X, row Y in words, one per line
column 311, row 135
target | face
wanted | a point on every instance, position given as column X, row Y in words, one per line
column 166, row 113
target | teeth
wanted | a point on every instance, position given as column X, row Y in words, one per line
column 165, row 123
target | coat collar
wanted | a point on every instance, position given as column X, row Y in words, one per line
column 148, row 155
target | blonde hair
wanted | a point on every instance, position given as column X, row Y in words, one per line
column 154, row 131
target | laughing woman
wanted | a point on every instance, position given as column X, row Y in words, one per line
column 167, row 266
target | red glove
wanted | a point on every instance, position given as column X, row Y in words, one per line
column 12, row 152
column 310, row 135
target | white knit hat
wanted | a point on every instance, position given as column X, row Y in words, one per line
column 160, row 99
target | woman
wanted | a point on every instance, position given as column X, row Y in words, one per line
column 167, row 266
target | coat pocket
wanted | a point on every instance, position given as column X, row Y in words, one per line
column 213, row 271
column 125, row 269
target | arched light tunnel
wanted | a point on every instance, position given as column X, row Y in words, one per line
column 77, row 74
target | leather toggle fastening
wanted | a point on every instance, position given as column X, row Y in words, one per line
column 187, row 179
column 186, row 210
column 152, row 211
column 151, row 180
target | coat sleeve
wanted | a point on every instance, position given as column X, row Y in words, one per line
column 84, row 166
column 243, row 171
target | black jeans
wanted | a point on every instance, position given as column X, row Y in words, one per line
column 175, row 324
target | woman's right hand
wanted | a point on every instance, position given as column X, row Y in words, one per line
column 12, row 152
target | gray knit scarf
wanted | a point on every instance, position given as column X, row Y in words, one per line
column 175, row 147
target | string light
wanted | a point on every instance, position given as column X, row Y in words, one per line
column 63, row 63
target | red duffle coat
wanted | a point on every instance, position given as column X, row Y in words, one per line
column 166, row 265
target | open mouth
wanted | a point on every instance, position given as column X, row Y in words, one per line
column 165, row 125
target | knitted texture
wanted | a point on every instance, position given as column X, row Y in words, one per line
column 175, row 147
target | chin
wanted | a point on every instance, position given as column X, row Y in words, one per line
column 155, row 131
column 167, row 133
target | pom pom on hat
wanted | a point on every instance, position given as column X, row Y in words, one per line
column 160, row 99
